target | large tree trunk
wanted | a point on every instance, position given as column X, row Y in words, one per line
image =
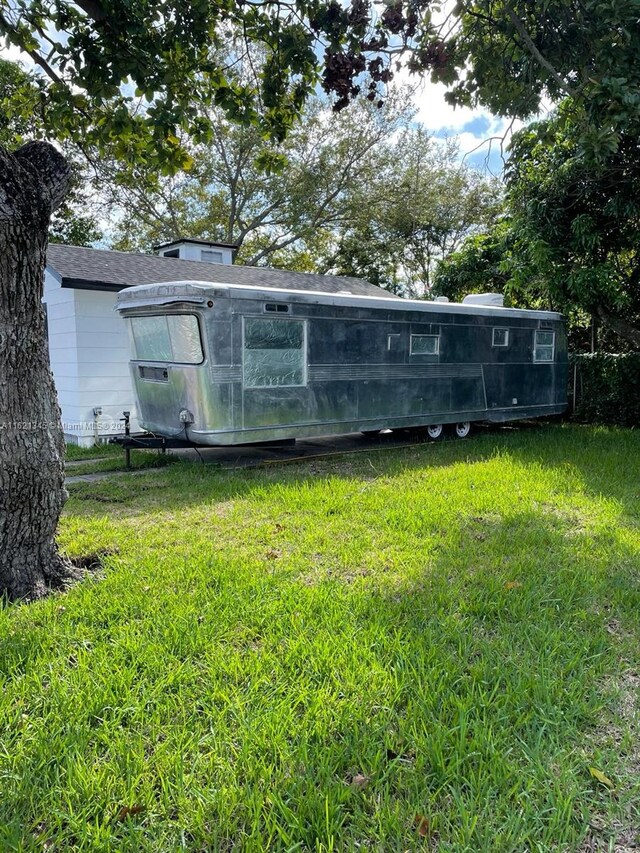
column 620, row 326
column 33, row 182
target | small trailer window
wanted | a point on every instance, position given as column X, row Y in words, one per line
column 425, row 344
column 276, row 308
column 543, row 345
column 500, row 338
column 167, row 337
column 274, row 353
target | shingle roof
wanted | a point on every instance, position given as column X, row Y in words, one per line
column 106, row 270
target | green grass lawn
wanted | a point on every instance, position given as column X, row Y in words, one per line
column 73, row 452
column 421, row 648
column 109, row 457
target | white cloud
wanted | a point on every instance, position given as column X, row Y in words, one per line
column 11, row 53
column 436, row 114
column 481, row 135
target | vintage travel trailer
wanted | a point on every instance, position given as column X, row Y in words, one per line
column 223, row 364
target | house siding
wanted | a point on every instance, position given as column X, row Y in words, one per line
column 89, row 355
column 194, row 252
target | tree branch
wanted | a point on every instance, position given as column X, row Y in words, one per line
column 533, row 50
column 39, row 60
column 620, row 326
column 93, row 8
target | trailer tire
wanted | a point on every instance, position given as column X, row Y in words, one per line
column 435, row 432
column 462, row 429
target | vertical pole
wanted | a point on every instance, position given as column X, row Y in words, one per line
column 127, row 432
column 575, row 384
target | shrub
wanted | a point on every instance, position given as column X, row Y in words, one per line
column 608, row 388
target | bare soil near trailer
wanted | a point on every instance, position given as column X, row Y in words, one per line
column 423, row 647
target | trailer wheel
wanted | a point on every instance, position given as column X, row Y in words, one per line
column 463, row 429
column 435, row 431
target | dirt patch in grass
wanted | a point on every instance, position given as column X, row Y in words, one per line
column 620, row 834
column 626, row 841
column 93, row 562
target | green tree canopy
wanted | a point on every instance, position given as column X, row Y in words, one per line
column 365, row 192
column 277, row 202
column 74, row 222
column 420, row 208
column 518, row 53
column 131, row 76
column 479, row 265
column 576, row 228
column 570, row 237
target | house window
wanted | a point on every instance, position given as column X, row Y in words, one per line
column 544, row 345
column 274, row 353
column 167, row 337
column 500, row 338
column 210, row 256
column 425, row 344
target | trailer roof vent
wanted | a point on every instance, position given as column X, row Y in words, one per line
column 442, row 298
column 494, row 300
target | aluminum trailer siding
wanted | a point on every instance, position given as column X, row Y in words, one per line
column 228, row 364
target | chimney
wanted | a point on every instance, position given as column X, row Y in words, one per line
column 204, row 251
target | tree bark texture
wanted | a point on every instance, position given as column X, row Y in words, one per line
column 33, row 182
column 620, row 326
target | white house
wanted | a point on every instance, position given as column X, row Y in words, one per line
column 88, row 343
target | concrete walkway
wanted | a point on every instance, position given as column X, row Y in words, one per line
column 105, row 475
column 77, row 463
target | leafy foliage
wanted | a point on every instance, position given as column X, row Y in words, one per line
column 365, row 193
column 575, row 224
column 420, row 209
column 608, row 388
column 518, row 53
column 130, row 77
column 277, row 202
column 73, row 222
column 480, row 265
column 19, row 101
column 73, row 227
column 570, row 235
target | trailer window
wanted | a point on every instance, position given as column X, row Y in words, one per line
column 500, row 338
column 544, row 343
column 167, row 337
column 425, row 344
column 274, row 353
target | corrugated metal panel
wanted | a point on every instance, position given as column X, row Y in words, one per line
column 358, row 372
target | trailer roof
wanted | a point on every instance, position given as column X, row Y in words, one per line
column 199, row 291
